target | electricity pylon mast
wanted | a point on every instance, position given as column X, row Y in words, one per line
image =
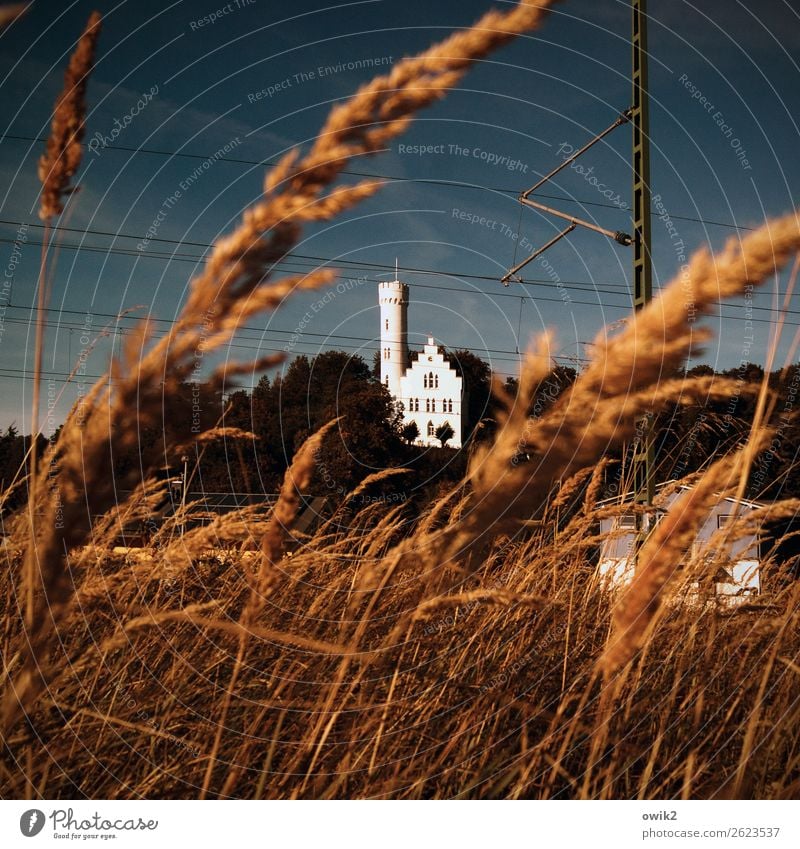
column 643, row 452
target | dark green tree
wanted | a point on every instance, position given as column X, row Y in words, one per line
column 477, row 381
column 444, row 433
column 409, row 432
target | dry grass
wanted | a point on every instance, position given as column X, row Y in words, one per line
column 62, row 156
column 454, row 653
column 398, row 692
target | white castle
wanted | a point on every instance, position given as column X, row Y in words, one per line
column 430, row 390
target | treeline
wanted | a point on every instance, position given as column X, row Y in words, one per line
column 284, row 410
column 689, row 437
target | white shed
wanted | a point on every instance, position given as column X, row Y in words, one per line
column 737, row 580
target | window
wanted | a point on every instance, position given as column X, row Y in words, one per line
column 386, row 380
column 436, row 381
column 450, row 406
column 425, row 381
column 416, row 405
column 430, row 380
column 433, row 405
column 431, row 429
column 724, row 519
column 427, row 405
column 627, row 520
column 387, row 323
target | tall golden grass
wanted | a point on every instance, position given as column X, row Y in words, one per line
column 467, row 651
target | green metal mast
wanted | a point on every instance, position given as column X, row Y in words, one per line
column 643, row 454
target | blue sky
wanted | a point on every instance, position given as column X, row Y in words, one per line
column 260, row 78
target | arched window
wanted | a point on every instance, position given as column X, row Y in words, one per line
column 387, row 323
column 416, row 406
column 386, row 380
column 436, row 381
column 431, row 429
column 427, row 405
column 450, row 406
column 433, row 405
column 430, row 379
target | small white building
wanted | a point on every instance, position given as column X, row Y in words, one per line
column 430, row 390
column 737, row 580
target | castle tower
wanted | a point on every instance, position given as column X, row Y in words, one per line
column 393, row 299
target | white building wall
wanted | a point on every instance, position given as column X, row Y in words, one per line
column 431, row 393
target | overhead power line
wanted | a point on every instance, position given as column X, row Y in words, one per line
column 458, row 184
column 355, row 265
column 371, row 344
column 304, row 262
